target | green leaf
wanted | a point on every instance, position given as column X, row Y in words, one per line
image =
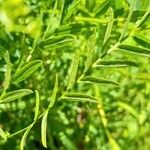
column 3, row 135
column 114, row 144
column 24, row 137
column 53, row 40
column 73, row 71
column 79, row 97
column 44, row 128
column 132, row 8
column 72, row 28
column 135, row 50
column 142, row 40
column 118, row 4
column 53, row 97
column 102, row 9
column 8, row 71
column 91, row 20
column 72, row 9
column 114, row 63
column 91, row 79
column 84, row 10
column 8, row 97
column 63, row 43
column 54, row 22
column 37, row 105
column 62, row 10
column 89, row 59
column 68, row 144
column 127, row 107
column 26, row 71
column 90, row 4
column 141, row 22
column 109, row 26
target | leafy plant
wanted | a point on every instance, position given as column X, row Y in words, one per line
column 74, row 74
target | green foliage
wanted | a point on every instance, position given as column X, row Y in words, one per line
column 44, row 129
column 3, row 135
column 74, row 74
column 10, row 96
column 25, row 71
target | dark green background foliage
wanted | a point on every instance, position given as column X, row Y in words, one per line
column 75, row 74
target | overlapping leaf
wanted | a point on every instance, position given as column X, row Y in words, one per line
column 3, row 135
column 142, row 40
column 73, row 28
column 72, row 8
column 11, row 96
column 132, row 8
column 55, row 42
column 73, row 71
column 55, row 90
column 109, row 26
column 25, row 71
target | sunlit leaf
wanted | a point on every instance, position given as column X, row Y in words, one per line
column 79, row 97
column 73, row 71
column 145, row 17
column 11, row 96
column 91, row 20
column 53, row 23
column 90, row 4
column 3, row 135
column 26, row 71
column 142, row 40
column 127, row 107
column 58, row 42
column 132, row 8
column 37, row 105
column 53, row 97
column 102, row 9
column 118, row 4
column 8, row 71
column 24, row 137
column 114, row 144
column 109, row 26
column 72, row 8
column 73, row 28
column 89, row 59
column 114, row 63
column 44, row 129
column 91, row 79
column 69, row 145
column 135, row 49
